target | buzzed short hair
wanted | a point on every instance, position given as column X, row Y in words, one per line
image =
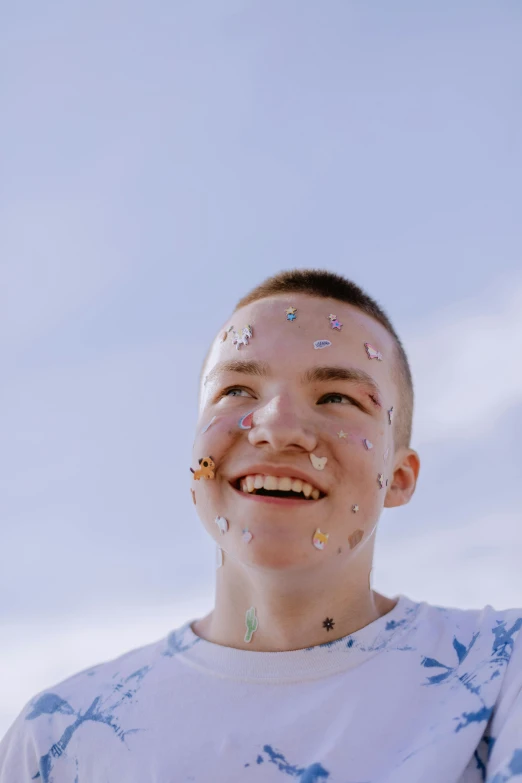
column 322, row 283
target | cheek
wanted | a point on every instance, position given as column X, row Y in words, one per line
column 215, row 439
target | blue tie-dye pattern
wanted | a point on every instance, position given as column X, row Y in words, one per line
column 50, row 703
column 514, row 768
column 176, row 643
column 310, row 774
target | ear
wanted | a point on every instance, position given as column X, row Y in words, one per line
column 404, row 479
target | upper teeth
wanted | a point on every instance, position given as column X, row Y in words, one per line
column 282, row 483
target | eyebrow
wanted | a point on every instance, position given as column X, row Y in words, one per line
column 318, row 374
column 353, row 374
column 261, row 369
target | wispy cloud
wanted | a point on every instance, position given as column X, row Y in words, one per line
column 467, row 365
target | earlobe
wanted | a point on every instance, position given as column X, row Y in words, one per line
column 404, row 480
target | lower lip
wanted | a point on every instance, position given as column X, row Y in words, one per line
column 277, row 501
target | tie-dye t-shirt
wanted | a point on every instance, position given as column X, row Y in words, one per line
column 424, row 694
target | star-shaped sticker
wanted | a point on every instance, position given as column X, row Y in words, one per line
column 291, row 311
column 380, row 479
column 341, row 434
column 334, row 323
column 355, row 508
column 328, row 624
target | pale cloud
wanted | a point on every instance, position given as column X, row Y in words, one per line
column 59, row 255
column 467, row 565
column 467, row 366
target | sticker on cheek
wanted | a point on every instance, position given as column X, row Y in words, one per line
column 368, row 444
column 390, row 414
column 219, row 557
column 341, row 434
column 380, row 479
column 206, row 470
column 211, row 422
column 319, row 539
column 318, row 462
column 355, row 538
column 222, row 524
column 322, row 343
column 245, row 422
column 355, row 508
column 247, row 536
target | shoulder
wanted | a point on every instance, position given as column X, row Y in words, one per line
column 115, row 681
column 472, row 639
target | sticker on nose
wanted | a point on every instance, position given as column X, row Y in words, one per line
column 322, row 343
column 245, row 422
column 318, row 462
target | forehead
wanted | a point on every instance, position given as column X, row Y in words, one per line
column 289, row 344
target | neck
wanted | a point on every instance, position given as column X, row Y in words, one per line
column 291, row 607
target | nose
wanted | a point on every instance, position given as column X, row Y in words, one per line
column 281, row 426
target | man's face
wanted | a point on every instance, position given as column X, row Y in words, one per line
column 319, row 419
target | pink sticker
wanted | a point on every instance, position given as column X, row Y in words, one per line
column 245, row 422
column 372, row 352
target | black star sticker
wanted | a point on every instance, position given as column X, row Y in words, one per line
column 328, row 624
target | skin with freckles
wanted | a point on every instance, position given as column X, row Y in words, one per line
column 300, row 400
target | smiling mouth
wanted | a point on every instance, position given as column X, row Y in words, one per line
column 278, row 487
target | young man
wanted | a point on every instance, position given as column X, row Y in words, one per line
column 301, row 671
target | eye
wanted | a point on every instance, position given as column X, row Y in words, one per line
column 338, row 398
column 235, row 391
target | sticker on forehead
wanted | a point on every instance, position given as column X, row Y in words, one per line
column 243, row 337
column 322, row 344
column 372, row 352
column 245, row 422
column 318, row 462
column 291, row 313
column 334, row 322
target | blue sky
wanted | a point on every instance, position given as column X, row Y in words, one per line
column 162, row 159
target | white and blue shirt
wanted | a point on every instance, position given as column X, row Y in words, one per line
column 424, row 694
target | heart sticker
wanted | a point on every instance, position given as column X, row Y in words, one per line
column 318, row 462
